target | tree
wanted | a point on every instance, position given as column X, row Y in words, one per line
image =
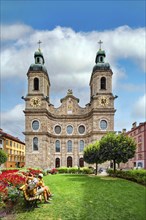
column 3, row 157
column 117, row 147
column 92, row 154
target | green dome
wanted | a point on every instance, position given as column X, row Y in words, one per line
column 101, row 66
column 37, row 67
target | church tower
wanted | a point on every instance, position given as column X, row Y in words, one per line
column 36, row 102
column 101, row 97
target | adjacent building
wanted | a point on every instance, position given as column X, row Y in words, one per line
column 138, row 133
column 56, row 137
column 14, row 148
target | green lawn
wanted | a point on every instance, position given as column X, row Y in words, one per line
column 82, row 197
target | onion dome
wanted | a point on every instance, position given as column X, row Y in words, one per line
column 39, row 62
column 99, row 60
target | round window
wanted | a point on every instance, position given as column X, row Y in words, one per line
column 57, row 129
column 103, row 124
column 35, row 125
column 81, row 129
column 69, row 129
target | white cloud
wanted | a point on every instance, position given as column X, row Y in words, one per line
column 139, row 108
column 14, row 31
column 12, row 121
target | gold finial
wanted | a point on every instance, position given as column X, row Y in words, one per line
column 100, row 42
column 39, row 49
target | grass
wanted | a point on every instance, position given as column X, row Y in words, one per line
column 82, row 197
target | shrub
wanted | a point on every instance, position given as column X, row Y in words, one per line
column 62, row 169
column 138, row 176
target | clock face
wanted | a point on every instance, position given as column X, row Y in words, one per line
column 103, row 101
column 35, row 102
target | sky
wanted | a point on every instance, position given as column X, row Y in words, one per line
column 70, row 32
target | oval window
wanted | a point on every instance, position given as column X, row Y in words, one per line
column 35, row 125
column 81, row 129
column 57, row 129
column 103, row 124
column 69, row 129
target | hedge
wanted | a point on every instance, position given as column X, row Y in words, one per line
column 138, row 176
column 76, row 170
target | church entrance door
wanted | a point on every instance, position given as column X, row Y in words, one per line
column 69, row 162
column 81, row 162
column 57, row 162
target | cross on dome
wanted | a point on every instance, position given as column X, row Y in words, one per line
column 100, row 42
column 39, row 42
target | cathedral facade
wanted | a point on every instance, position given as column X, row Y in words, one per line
column 56, row 137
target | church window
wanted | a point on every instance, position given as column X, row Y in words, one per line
column 69, row 146
column 57, row 129
column 81, row 147
column 81, row 129
column 38, row 59
column 103, row 83
column 101, row 59
column 69, row 129
column 69, row 161
column 36, row 84
column 103, row 124
column 35, row 125
column 81, row 162
column 35, row 144
column 57, row 162
column 57, row 146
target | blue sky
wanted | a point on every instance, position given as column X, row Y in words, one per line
column 70, row 30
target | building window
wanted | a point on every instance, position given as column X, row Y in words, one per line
column 139, row 156
column 57, row 146
column 103, row 83
column 81, row 147
column 35, row 144
column 81, row 162
column 103, row 124
column 57, row 129
column 11, row 143
column 139, row 147
column 35, row 125
column 69, row 161
column 69, row 146
column 36, row 84
column 57, row 162
column 139, row 138
column 7, row 142
column 81, row 129
column 69, row 129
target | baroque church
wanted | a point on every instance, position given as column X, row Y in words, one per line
column 56, row 137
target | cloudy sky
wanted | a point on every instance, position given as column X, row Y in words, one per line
column 70, row 31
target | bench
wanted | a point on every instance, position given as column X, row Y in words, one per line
column 31, row 201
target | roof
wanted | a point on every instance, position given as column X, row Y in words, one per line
column 6, row 135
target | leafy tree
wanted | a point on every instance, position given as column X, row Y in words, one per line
column 117, row 147
column 92, row 154
column 3, row 157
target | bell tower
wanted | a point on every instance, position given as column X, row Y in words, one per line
column 36, row 105
column 101, row 97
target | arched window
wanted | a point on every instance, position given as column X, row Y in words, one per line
column 57, row 162
column 81, row 162
column 35, row 143
column 69, row 146
column 81, row 147
column 36, row 84
column 69, row 162
column 103, row 83
column 57, row 146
